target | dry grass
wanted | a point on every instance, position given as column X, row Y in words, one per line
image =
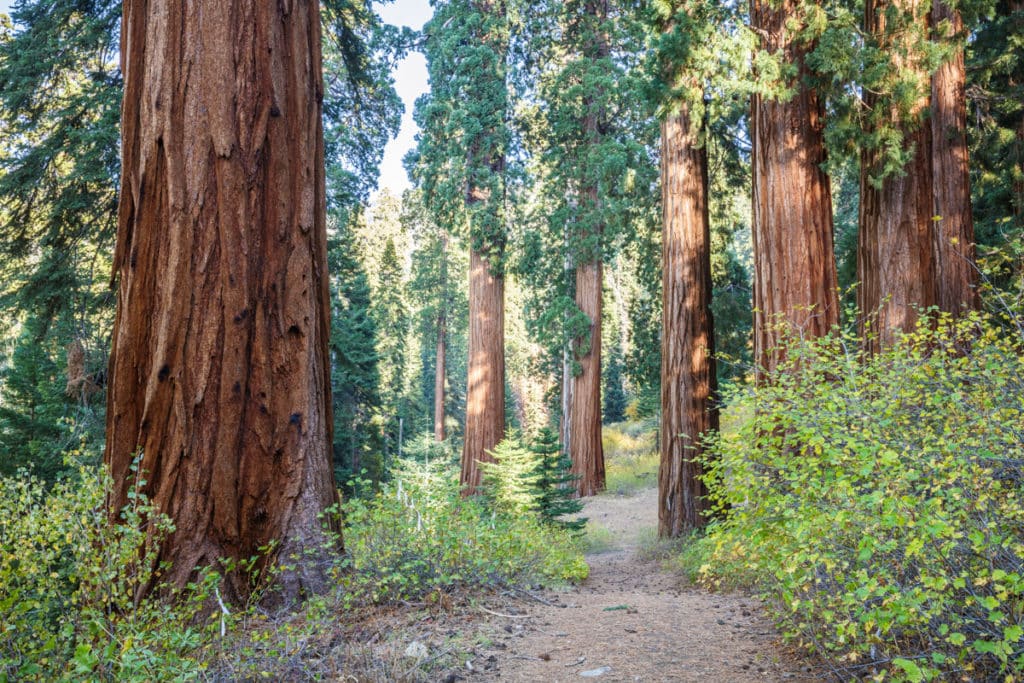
column 631, row 457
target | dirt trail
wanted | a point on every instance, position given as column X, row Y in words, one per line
column 632, row 621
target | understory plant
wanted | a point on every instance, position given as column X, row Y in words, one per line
column 419, row 536
column 877, row 502
column 68, row 586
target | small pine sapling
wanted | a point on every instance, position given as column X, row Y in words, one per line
column 556, row 483
column 512, row 482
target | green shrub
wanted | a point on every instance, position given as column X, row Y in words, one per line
column 878, row 503
column 418, row 536
column 68, row 581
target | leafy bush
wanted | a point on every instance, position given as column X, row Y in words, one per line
column 418, row 536
column 878, row 503
column 68, row 581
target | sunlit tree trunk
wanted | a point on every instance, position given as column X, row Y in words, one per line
column 955, row 270
column 219, row 378
column 794, row 262
column 895, row 247
column 688, row 381
column 585, row 448
column 485, row 390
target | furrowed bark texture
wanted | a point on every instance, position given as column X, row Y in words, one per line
column 219, row 368
column 585, row 447
column 688, row 380
column 895, row 245
column 485, row 391
column 439, row 375
column 795, row 283
column 955, row 270
column 584, row 420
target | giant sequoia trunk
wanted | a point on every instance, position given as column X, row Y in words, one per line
column 585, row 447
column 794, row 262
column 955, row 271
column 895, row 244
column 584, row 401
column 219, row 377
column 485, row 390
column 688, row 381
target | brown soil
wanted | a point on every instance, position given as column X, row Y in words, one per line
column 631, row 620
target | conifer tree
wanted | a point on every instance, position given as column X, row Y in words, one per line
column 436, row 288
column 220, row 376
column 896, row 263
column 460, row 164
column 355, row 379
column 391, row 316
column 592, row 134
column 956, row 273
column 556, row 483
column 795, row 285
column 688, row 373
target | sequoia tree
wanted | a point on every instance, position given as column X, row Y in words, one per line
column 896, row 244
column 688, row 375
column 219, row 381
column 794, row 263
column 956, row 273
column 461, row 163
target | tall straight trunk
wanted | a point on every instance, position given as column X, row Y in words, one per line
column 219, row 378
column 688, row 380
column 439, row 375
column 485, row 392
column 896, row 243
column 955, row 270
column 795, row 283
column 585, row 447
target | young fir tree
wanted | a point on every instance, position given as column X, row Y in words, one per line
column 614, row 394
column 556, row 483
column 460, row 163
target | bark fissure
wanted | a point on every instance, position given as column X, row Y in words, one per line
column 218, row 372
column 688, row 379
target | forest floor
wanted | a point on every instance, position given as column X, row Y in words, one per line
column 631, row 620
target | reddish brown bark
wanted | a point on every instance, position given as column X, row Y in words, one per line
column 688, row 381
column 795, row 284
column 439, row 375
column 219, row 369
column 955, row 270
column 895, row 247
column 585, row 448
column 485, row 391
column 582, row 427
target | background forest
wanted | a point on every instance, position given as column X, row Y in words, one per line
column 519, row 295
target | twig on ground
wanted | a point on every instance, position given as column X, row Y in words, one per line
column 507, row 616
